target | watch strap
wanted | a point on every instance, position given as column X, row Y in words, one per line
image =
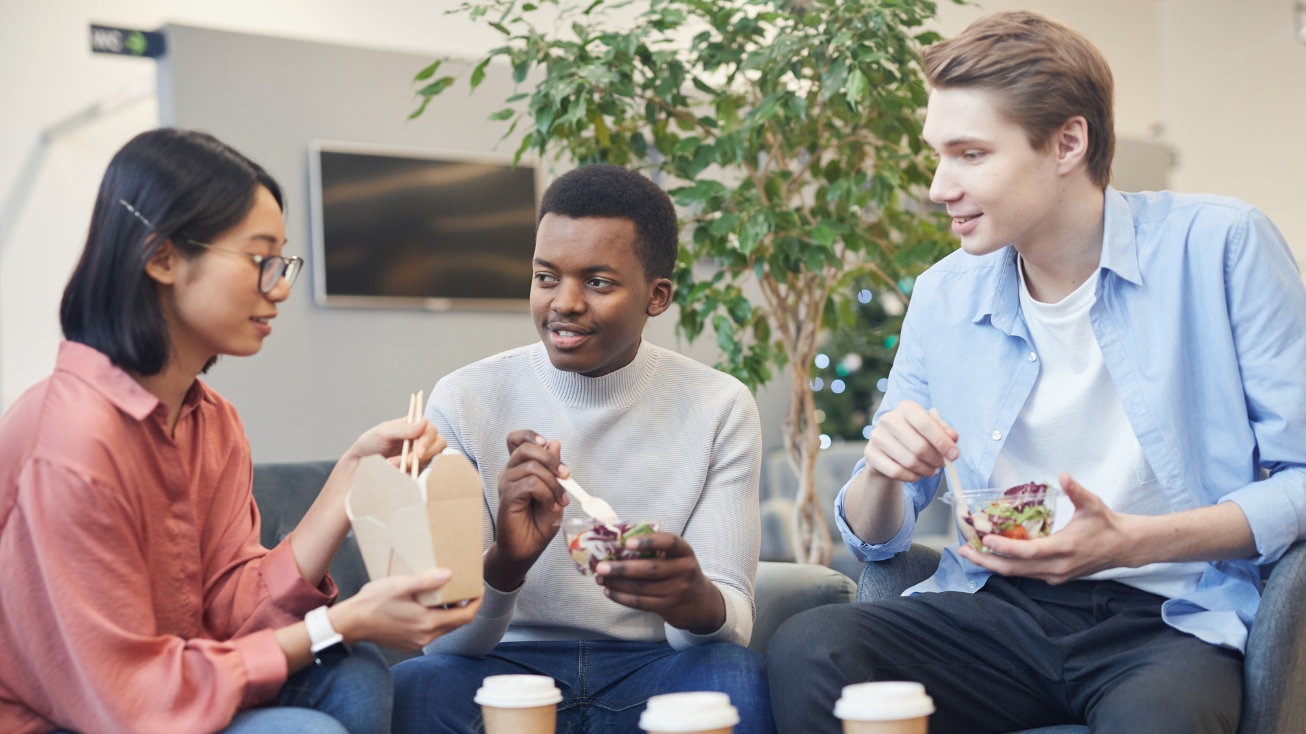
column 321, row 634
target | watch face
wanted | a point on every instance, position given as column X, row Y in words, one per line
column 331, row 655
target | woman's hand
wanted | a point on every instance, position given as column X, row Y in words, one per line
column 386, row 612
column 673, row 585
column 319, row 534
column 387, row 440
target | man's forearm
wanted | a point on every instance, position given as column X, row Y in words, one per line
column 1215, row 533
column 873, row 507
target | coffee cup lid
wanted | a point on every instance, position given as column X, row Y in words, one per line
column 688, row 712
column 517, row 691
column 883, row 701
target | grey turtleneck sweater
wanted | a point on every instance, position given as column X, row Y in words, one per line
column 663, row 437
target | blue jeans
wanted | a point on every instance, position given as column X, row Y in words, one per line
column 604, row 684
column 352, row 696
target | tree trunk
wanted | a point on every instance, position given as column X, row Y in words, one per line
column 812, row 542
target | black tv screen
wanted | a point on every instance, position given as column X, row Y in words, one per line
column 420, row 230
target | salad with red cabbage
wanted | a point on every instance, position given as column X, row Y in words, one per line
column 591, row 541
column 1023, row 512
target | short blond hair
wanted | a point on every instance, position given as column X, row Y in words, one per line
column 1042, row 72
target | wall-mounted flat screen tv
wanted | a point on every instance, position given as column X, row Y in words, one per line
column 396, row 228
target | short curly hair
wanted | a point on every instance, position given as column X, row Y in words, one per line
column 604, row 190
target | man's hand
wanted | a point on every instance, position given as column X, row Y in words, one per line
column 906, row 444
column 672, row 585
column 1095, row 539
column 530, row 508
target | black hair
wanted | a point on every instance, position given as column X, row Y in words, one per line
column 605, row 190
column 165, row 184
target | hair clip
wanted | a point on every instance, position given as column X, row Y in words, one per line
column 135, row 213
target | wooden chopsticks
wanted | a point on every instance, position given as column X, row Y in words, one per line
column 414, row 414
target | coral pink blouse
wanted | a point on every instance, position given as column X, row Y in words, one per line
column 134, row 593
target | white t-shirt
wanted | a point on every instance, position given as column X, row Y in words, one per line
column 1073, row 421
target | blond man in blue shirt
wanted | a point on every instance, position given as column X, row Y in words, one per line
column 1142, row 350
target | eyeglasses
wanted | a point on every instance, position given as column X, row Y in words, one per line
column 272, row 268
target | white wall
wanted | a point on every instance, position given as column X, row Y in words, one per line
column 1235, row 92
column 1128, row 32
column 1224, row 78
column 47, row 72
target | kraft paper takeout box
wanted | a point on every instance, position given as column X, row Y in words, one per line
column 407, row 527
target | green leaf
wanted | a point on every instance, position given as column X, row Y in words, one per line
column 435, row 87
column 856, row 86
column 500, row 28
column 428, row 72
column 725, row 224
column 687, row 145
column 420, row 109
column 764, row 111
column 824, row 235
column 503, row 114
column 521, row 149
column 814, row 260
column 478, row 74
column 833, row 80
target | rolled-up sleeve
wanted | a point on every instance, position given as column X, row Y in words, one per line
column 1267, row 310
column 868, row 552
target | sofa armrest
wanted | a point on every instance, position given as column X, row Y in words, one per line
column 785, row 589
column 887, row 579
column 1274, row 669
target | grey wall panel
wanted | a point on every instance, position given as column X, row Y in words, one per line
column 327, row 374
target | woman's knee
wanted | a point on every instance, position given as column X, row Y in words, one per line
column 284, row 720
column 360, row 692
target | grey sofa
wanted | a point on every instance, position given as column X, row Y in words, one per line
column 834, row 467
column 284, row 493
column 1274, row 671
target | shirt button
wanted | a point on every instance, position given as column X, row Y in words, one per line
column 997, row 435
column 1032, row 356
column 971, row 584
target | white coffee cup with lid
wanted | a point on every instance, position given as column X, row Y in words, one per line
column 519, row 704
column 884, row 707
column 703, row 712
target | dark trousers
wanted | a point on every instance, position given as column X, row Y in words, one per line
column 604, row 684
column 1018, row 654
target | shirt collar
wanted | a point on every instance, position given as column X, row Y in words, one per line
column 1119, row 246
column 1119, row 255
column 115, row 384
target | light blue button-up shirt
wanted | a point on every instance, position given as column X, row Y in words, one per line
column 1201, row 319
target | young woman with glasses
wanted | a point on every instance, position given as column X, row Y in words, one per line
column 136, row 595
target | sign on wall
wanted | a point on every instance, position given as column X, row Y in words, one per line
column 126, row 42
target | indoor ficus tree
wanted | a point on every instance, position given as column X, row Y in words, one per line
column 788, row 133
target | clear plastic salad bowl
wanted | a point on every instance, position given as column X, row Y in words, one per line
column 591, row 541
column 1023, row 512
